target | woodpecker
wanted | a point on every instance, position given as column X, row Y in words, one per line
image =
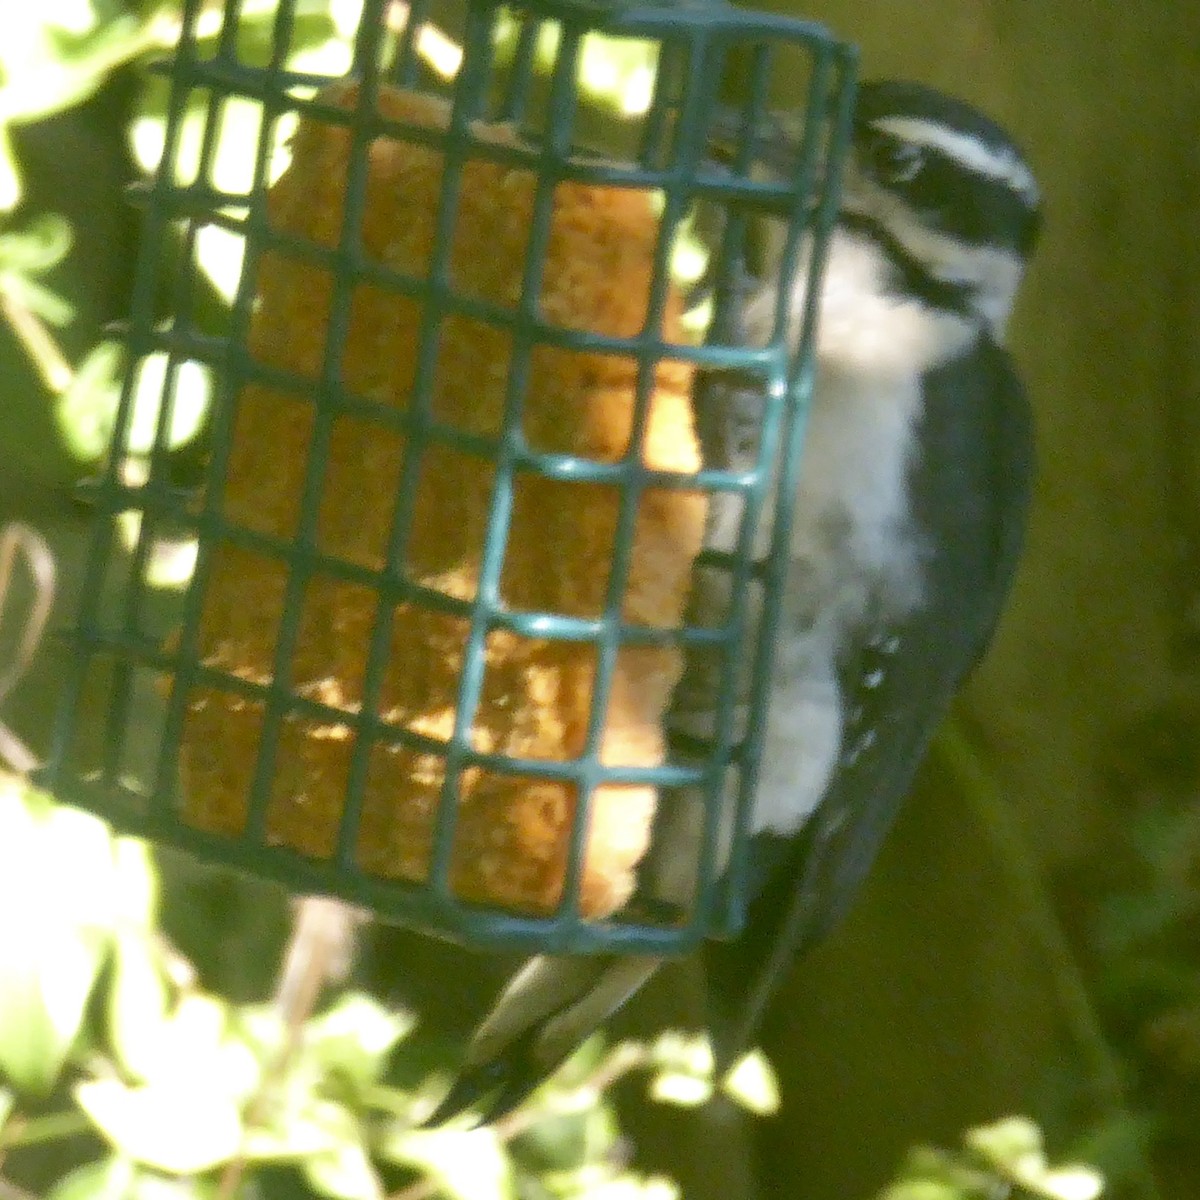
column 908, row 520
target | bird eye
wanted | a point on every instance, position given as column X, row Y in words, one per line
column 893, row 161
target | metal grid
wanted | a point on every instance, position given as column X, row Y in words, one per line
column 701, row 50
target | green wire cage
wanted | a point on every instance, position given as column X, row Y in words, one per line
column 580, row 132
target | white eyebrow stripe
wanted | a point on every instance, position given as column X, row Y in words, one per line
column 996, row 162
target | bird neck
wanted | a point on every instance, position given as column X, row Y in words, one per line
column 873, row 328
column 976, row 282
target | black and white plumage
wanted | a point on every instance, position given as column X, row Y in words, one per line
column 908, row 521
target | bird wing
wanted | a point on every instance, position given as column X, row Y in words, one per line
column 898, row 680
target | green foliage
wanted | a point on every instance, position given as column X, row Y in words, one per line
column 53, row 940
column 1006, row 1159
column 180, row 1085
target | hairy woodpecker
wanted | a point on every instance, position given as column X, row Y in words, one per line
column 912, row 499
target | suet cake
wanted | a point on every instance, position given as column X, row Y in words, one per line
column 512, row 833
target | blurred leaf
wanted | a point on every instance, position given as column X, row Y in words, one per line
column 332, row 56
column 176, row 1126
column 221, row 253
column 10, row 175
column 567, row 1141
column 582, row 1064
column 38, row 299
column 43, row 243
column 232, row 163
column 192, row 397
column 56, row 885
column 688, row 1053
column 137, row 1004
column 355, row 1036
column 937, row 1174
column 319, row 47
column 753, row 1085
column 627, row 1187
column 923, row 1189
column 617, row 73
column 467, row 1164
column 1071, row 1183
column 260, row 1028
column 199, row 1044
column 8, row 1101
column 1119, row 1147
column 71, row 16
column 345, row 1174
column 308, row 1129
column 105, row 1179
column 403, row 1104
column 172, row 562
column 346, row 15
column 674, row 1087
column 136, row 892
column 1012, row 1144
column 86, row 410
column 45, row 70
column 150, row 1185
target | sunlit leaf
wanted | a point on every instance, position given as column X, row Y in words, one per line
column 172, row 562
column 41, row 243
column 259, row 1028
column 233, row 158
column 690, row 1053
column 624, row 1187
column 221, row 253
column 47, row 70
column 86, row 410
column 56, row 886
column 355, row 1036
column 467, row 1164
column 320, row 46
column 1014, row 1144
column 345, row 1174
column 923, row 1189
column 753, row 1085
column 674, row 1087
column 152, row 1185
column 10, row 175
column 346, row 15
column 1072, row 1183
column 71, row 16
column 333, row 57
column 616, row 73
column 582, row 1063
column 136, row 892
column 314, row 1127
column 137, row 1004
column 568, row 1141
column 105, row 1179
column 192, row 398
column 197, row 1043
column 40, row 300
column 177, row 1126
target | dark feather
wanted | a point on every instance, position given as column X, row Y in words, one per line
column 899, row 681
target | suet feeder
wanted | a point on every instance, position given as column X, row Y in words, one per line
column 453, row 487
